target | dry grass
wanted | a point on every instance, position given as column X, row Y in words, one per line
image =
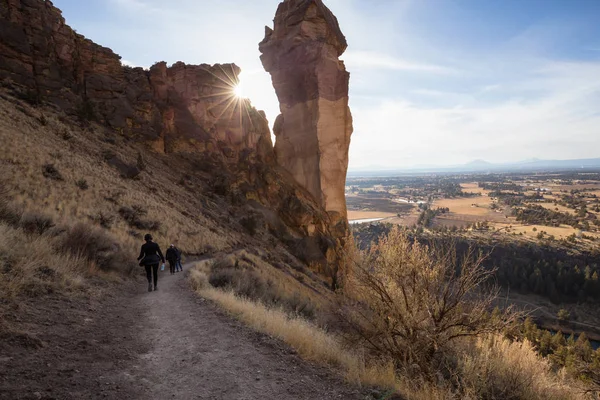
column 558, row 232
column 310, row 341
column 30, row 265
column 496, row 368
column 465, row 205
column 488, row 367
column 80, row 156
column 352, row 215
column 473, row 187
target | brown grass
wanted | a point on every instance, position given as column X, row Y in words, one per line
column 310, row 341
column 496, row 368
column 489, row 367
column 80, row 157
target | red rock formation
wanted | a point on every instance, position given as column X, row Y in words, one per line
column 180, row 108
column 314, row 127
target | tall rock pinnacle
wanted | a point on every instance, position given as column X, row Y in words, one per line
column 314, row 127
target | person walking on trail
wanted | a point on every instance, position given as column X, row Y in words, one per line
column 172, row 258
column 150, row 257
column 178, row 266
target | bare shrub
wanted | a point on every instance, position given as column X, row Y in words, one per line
column 410, row 302
column 49, row 171
column 103, row 219
column 133, row 216
column 34, row 222
column 97, row 246
column 82, row 184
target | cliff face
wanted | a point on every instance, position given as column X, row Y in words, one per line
column 192, row 108
column 181, row 108
column 314, row 127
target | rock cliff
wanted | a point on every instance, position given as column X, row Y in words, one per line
column 177, row 108
column 192, row 109
column 313, row 130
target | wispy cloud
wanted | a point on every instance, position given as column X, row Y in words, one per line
column 371, row 60
column 562, row 121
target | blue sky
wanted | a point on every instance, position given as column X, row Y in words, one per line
column 433, row 82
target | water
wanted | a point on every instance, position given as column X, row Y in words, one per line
column 364, row 221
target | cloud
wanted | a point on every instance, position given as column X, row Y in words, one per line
column 371, row 60
column 560, row 122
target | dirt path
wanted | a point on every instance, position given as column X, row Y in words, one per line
column 167, row 344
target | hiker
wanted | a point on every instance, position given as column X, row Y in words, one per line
column 178, row 266
column 172, row 258
column 150, row 257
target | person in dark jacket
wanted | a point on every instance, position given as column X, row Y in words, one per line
column 150, row 257
column 178, row 266
column 172, row 258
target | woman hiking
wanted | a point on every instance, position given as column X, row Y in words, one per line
column 172, row 258
column 150, row 257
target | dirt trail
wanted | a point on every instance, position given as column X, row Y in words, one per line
column 166, row 344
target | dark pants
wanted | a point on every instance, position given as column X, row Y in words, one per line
column 179, row 266
column 172, row 265
column 149, row 270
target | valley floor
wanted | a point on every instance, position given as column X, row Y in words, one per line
column 165, row 344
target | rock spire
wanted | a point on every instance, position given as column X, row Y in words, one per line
column 313, row 130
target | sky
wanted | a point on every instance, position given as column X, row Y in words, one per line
column 432, row 82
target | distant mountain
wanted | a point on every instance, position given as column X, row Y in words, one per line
column 533, row 164
column 478, row 163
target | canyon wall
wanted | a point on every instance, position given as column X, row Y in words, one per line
column 193, row 109
column 313, row 130
column 177, row 108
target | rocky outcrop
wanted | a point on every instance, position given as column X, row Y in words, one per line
column 313, row 130
column 192, row 109
column 177, row 108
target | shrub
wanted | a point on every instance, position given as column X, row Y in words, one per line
column 133, row 216
column 97, row 246
column 250, row 224
column 104, row 220
column 238, row 274
column 66, row 134
column 409, row 303
column 495, row 368
column 82, row 184
column 49, row 171
column 140, row 162
column 34, row 222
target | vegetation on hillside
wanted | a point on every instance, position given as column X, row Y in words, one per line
column 410, row 317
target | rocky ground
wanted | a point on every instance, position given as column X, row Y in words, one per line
column 129, row 344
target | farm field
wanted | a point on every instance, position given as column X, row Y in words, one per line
column 354, row 215
column 555, row 206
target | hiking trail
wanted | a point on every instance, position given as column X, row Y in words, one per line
column 163, row 344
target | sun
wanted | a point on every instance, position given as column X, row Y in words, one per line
column 238, row 90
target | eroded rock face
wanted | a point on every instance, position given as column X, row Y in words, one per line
column 174, row 109
column 191, row 108
column 314, row 127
